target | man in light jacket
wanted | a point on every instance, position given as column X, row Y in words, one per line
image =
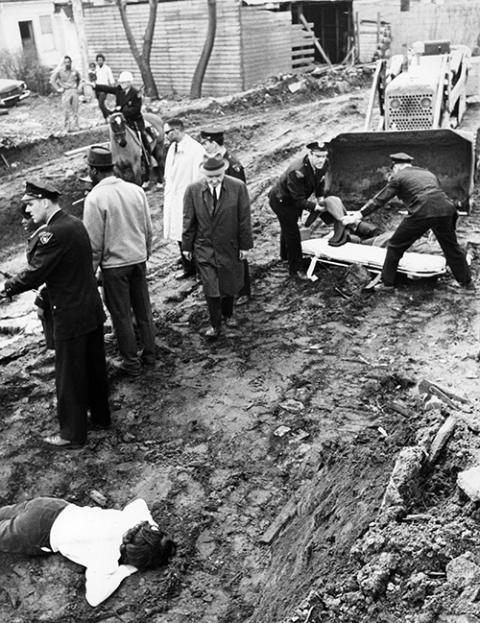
column 182, row 167
column 117, row 219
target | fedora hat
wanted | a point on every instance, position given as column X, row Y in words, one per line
column 99, row 157
column 213, row 165
column 401, row 157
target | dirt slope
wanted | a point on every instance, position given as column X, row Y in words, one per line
column 294, row 412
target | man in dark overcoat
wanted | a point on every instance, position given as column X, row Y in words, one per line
column 213, row 139
column 428, row 208
column 62, row 259
column 217, row 232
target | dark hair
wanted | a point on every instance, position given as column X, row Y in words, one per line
column 67, row 57
column 175, row 122
column 146, row 547
column 99, row 55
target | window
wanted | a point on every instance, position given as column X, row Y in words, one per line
column 46, row 27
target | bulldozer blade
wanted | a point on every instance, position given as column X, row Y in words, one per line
column 360, row 162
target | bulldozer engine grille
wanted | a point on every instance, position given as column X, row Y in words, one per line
column 410, row 112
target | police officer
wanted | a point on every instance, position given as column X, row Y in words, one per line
column 129, row 101
column 62, row 259
column 291, row 194
column 428, row 207
column 213, row 139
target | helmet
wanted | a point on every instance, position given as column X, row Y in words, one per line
column 125, row 76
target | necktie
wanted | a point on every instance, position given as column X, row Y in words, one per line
column 215, row 200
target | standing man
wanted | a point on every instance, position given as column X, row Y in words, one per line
column 291, row 194
column 429, row 208
column 182, row 167
column 103, row 77
column 66, row 80
column 213, row 140
column 117, row 219
column 217, row 232
column 62, row 259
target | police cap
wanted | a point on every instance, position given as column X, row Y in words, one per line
column 401, row 157
column 36, row 189
column 213, row 134
column 316, row 146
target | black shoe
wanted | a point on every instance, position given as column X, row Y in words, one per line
column 300, row 275
column 97, row 426
column 212, row 334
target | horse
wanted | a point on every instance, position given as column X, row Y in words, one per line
column 126, row 149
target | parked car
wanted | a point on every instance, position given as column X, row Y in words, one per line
column 12, row 91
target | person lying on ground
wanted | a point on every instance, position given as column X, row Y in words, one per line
column 111, row 544
column 429, row 207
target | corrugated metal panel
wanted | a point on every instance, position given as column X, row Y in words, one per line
column 266, row 44
column 178, row 40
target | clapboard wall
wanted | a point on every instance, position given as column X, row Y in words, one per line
column 250, row 44
column 455, row 20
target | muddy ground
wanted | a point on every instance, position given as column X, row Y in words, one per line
column 266, row 454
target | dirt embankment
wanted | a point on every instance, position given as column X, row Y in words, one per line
column 268, row 453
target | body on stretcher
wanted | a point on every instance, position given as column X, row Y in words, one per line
column 414, row 265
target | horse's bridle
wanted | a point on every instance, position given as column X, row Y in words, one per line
column 118, row 126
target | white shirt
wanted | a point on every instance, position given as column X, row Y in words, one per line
column 104, row 75
column 91, row 537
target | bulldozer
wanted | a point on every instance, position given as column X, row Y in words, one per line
column 421, row 101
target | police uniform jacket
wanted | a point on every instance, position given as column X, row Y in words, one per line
column 235, row 168
column 216, row 235
column 129, row 102
column 298, row 183
column 420, row 191
column 61, row 257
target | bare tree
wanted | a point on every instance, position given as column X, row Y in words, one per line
column 199, row 74
column 142, row 58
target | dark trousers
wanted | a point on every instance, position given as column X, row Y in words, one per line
column 410, row 230
column 25, row 527
column 81, row 382
column 188, row 266
column 246, row 288
column 218, row 307
column 101, row 97
column 126, row 290
column 290, row 242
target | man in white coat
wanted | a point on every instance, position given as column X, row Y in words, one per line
column 182, row 168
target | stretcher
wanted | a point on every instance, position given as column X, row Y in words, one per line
column 414, row 265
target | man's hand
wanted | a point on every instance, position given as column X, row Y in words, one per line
column 243, row 254
column 352, row 218
column 187, row 255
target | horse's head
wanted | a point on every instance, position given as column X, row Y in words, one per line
column 118, row 128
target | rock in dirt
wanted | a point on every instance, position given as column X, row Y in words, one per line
column 374, row 576
column 404, row 476
column 463, row 571
column 469, row 483
column 442, row 437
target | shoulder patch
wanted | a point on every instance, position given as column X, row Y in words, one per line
column 45, row 237
column 299, row 174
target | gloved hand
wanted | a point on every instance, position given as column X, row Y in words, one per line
column 243, row 254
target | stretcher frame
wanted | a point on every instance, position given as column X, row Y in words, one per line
column 413, row 265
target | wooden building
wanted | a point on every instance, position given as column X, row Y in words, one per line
column 251, row 44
